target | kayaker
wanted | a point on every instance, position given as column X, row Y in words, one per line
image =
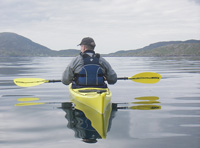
column 88, row 68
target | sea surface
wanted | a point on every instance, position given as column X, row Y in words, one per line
column 33, row 117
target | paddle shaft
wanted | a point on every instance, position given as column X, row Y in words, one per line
column 53, row 81
column 120, row 78
column 142, row 107
column 127, row 78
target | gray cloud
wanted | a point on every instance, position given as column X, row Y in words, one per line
column 114, row 24
column 196, row 1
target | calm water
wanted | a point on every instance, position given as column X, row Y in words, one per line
column 176, row 124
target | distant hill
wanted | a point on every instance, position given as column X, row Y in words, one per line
column 171, row 48
column 67, row 53
column 12, row 45
column 15, row 45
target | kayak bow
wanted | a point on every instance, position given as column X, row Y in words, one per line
column 95, row 98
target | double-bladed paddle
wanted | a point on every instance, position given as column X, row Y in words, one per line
column 145, row 77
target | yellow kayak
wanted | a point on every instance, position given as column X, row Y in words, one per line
column 96, row 98
column 96, row 105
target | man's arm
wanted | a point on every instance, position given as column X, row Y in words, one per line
column 74, row 67
column 67, row 76
column 110, row 74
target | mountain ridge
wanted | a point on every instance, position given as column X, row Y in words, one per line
column 12, row 44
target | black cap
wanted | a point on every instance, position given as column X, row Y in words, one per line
column 88, row 41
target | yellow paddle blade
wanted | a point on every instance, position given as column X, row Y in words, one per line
column 146, row 107
column 29, row 104
column 28, row 82
column 146, row 102
column 150, row 98
column 28, row 99
column 146, row 77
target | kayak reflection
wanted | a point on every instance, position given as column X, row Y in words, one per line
column 87, row 123
column 90, row 125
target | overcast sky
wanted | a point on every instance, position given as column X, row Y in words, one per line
column 114, row 24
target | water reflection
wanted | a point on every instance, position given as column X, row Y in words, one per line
column 147, row 100
column 15, row 66
column 88, row 124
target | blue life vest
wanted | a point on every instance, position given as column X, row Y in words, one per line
column 91, row 73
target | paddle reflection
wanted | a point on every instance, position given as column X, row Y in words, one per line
column 87, row 123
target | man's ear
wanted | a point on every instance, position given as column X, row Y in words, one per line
column 84, row 48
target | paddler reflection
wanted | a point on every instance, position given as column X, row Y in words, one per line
column 88, row 124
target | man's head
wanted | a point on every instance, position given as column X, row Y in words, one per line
column 87, row 43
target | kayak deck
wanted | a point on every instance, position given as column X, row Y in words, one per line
column 95, row 98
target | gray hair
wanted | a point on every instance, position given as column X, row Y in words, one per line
column 89, row 47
